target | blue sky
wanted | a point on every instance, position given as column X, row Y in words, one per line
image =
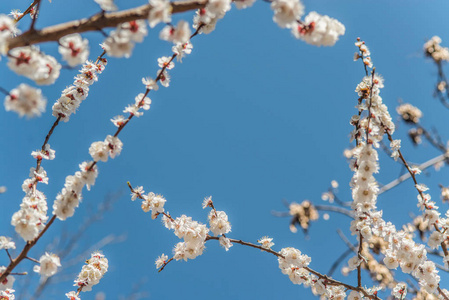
column 251, row 117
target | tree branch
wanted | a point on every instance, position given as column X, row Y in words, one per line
column 95, row 23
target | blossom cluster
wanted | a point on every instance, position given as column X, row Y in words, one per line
column 363, row 53
column 70, row 196
column 409, row 113
column 121, row 41
column 6, row 243
column 91, row 273
column 72, row 96
column 30, row 62
column 8, row 29
column 74, row 49
column 433, row 49
column 401, row 250
column 154, row 203
column 319, row 30
column 219, row 224
column 31, row 217
column 292, row 263
column 110, row 147
column 193, row 233
column 26, row 101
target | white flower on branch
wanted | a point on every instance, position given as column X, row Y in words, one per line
column 225, row 242
column 241, row 4
column 435, row 240
column 218, row 222
column 7, row 30
column 118, row 45
column 433, row 49
column 292, row 264
column 99, row 151
column 218, row 8
column 354, row 295
column 114, row 144
column 48, row 70
column 6, row 243
column 74, row 49
column 321, row 30
column 111, row 147
column 39, row 176
column 266, row 242
column 7, row 294
column 206, row 20
column 166, row 62
column 49, row 264
column 179, row 34
column 181, row 50
column 26, row 222
column 118, row 120
column 134, row 30
column 287, row 12
column 107, row 5
column 155, row 203
column 161, row 260
column 150, row 84
column 87, row 174
column 207, row 202
column 354, row 262
column 8, row 282
column 92, row 272
column 136, row 192
column 72, row 296
column 72, row 96
column 164, row 78
column 143, row 101
column 47, row 153
column 160, row 12
column 26, row 101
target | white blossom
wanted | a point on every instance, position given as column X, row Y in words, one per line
column 48, row 265
column 26, row 101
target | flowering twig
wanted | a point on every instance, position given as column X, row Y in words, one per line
column 25, row 250
column 28, row 10
column 327, row 280
column 158, row 78
column 96, row 22
column 36, row 13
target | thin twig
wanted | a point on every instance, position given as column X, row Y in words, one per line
column 36, row 15
column 28, row 10
column 422, row 167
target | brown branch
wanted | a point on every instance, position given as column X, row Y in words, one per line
column 359, row 267
column 25, row 250
column 442, row 293
column 27, row 11
column 95, row 23
column 36, row 15
column 327, row 280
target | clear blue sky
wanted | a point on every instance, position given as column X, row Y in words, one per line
column 252, row 117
